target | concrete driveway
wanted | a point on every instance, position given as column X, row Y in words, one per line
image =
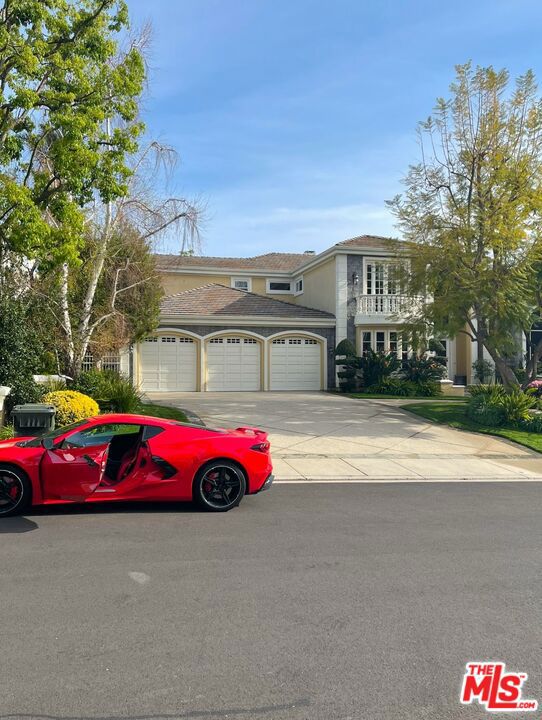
column 321, row 436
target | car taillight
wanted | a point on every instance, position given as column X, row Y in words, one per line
column 260, row 447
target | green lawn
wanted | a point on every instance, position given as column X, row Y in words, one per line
column 376, row 396
column 454, row 415
column 163, row 411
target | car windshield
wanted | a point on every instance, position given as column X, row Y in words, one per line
column 53, row 434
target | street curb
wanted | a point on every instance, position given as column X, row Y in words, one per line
column 382, row 480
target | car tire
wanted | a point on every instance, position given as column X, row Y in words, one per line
column 219, row 486
column 15, row 491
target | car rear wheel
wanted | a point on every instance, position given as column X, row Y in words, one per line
column 15, row 491
column 219, row 486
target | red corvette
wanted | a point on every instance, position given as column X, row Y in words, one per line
column 133, row 457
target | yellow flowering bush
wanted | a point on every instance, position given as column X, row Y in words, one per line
column 71, row 406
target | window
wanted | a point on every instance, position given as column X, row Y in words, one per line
column 279, row 286
column 381, row 277
column 240, row 283
column 384, row 341
column 298, row 286
column 99, row 435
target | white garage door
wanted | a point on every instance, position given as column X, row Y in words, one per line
column 296, row 364
column 168, row 363
column 233, row 363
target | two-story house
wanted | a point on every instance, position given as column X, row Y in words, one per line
column 272, row 322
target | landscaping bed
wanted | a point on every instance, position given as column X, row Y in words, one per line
column 455, row 415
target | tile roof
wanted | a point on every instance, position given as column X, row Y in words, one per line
column 278, row 262
column 369, row 241
column 215, row 299
column 270, row 262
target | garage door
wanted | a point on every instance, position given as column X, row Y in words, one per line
column 233, row 363
column 168, row 363
column 296, row 364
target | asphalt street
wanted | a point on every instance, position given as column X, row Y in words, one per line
column 320, row 602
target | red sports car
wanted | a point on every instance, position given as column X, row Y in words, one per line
column 133, row 457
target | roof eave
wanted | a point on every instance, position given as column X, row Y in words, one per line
column 247, row 320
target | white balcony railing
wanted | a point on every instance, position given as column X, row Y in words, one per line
column 380, row 305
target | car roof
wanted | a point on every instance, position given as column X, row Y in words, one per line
column 129, row 419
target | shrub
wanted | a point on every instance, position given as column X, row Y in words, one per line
column 7, row 432
column 53, row 385
column 428, row 388
column 110, row 389
column 423, row 369
column 377, row 366
column 491, row 405
column 71, row 406
column 18, row 352
column 531, row 424
column 536, row 387
column 516, row 406
column 345, row 358
column 392, row 386
column 486, row 390
column 483, row 370
column 486, row 410
column 123, row 396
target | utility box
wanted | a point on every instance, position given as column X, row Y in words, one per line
column 33, row 419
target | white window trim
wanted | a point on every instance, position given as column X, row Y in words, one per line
column 299, row 292
column 248, row 280
column 278, row 292
column 386, row 331
column 384, row 261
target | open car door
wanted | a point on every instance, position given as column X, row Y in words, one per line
column 72, row 473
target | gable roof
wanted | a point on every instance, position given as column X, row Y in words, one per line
column 274, row 261
column 215, row 299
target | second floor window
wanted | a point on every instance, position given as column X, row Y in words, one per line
column 381, row 278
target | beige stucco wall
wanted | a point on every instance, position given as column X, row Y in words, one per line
column 177, row 282
column 319, row 287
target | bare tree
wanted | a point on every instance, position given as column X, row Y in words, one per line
column 141, row 211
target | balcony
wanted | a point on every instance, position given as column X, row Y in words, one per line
column 385, row 309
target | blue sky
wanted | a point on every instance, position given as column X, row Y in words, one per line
column 295, row 119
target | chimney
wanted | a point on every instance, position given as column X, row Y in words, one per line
column 309, row 252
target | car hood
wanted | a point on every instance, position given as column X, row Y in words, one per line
column 11, row 447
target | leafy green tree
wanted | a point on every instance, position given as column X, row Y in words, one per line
column 19, row 351
column 471, row 213
column 68, row 116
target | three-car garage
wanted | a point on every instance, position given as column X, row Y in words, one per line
column 239, row 361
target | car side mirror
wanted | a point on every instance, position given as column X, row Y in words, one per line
column 48, row 443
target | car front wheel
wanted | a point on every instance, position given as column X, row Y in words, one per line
column 15, row 491
column 219, row 486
